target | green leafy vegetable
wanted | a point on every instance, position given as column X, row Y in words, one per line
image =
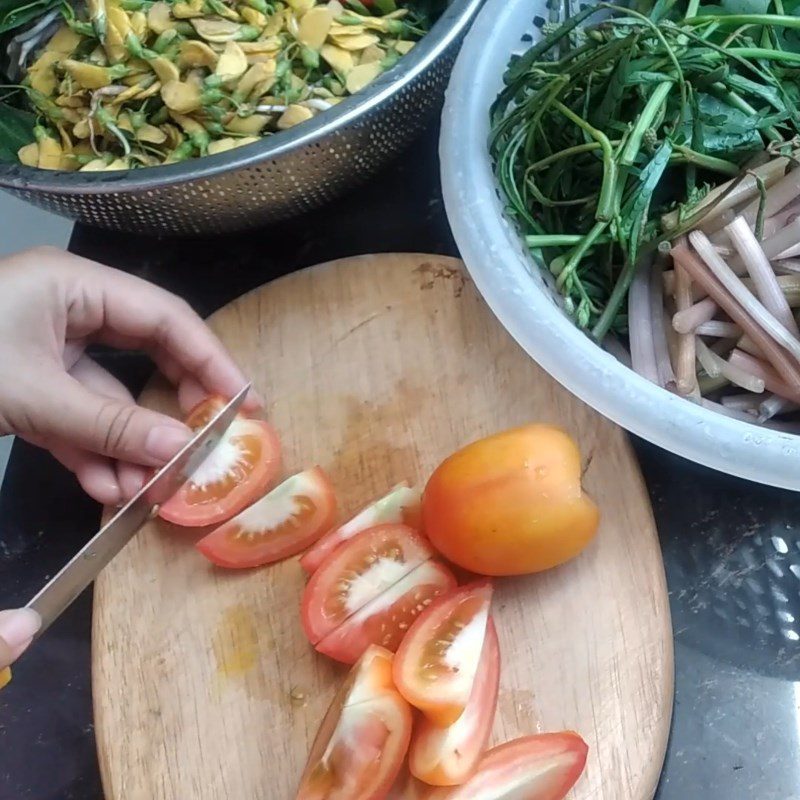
column 14, row 14
column 619, row 114
column 16, row 130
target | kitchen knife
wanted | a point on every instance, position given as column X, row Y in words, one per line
column 59, row 593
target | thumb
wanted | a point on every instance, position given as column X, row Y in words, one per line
column 17, row 628
column 69, row 412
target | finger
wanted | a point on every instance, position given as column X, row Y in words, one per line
column 95, row 473
column 73, row 350
column 177, row 373
column 106, row 482
column 131, row 478
column 190, row 390
column 190, row 393
column 17, row 629
column 100, row 380
column 71, row 413
column 122, row 310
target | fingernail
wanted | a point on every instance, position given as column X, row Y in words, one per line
column 131, row 483
column 164, row 441
column 19, row 626
column 105, row 491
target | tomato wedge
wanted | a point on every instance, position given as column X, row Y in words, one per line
column 360, row 570
column 401, row 505
column 542, row 767
column 437, row 662
column 241, row 468
column 386, row 619
column 281, row 524
column 362, row 742
column 449, row 756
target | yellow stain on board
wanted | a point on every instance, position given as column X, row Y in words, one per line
column 5, row 677
column 235, row 643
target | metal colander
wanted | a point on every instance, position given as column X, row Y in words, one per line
column 282, row 175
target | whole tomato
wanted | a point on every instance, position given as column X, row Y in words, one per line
column 510, row 504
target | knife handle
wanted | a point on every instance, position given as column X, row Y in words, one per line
column 5, row 677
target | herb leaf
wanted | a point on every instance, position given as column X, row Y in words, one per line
column 16, row 130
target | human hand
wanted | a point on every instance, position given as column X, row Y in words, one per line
column 17, row 629
column 52, row 305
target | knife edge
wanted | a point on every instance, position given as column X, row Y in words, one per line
column 62, row 590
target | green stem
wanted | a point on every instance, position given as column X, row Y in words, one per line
column 664, row 43
column 575, row 150
column 735, row 20
column 576, row 256
column 708, row 162
column 619, row 294
column 734, row 54
column 544, row 200
column 734, row 35
column 649, row 112
column 766, row 53
column 762, row 206
column 539, row 241
column 605, row 203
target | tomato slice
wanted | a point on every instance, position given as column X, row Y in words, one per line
column 358, row 572
column 362, row 742
column 281, row 524
column 239, row 470
column 543, row 767
column 205, row 411
column 386, row 619
column 449, row 756
column 438, row 661
column 401, row 505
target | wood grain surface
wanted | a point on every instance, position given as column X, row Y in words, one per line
column 376, row 368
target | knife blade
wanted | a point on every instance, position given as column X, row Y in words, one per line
column 80, row 571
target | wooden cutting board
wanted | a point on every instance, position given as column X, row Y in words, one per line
column 377, row 368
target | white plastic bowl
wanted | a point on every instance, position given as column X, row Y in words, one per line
column 513, row 285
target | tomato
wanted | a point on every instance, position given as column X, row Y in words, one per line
column 386, row 619
column 401, row 505
column 362, row 742
column 238, row 471
column 358, row 572
column 437, row 662
column 281, row 524
column 449, row 756
column 510, row 504
column 543, row 767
